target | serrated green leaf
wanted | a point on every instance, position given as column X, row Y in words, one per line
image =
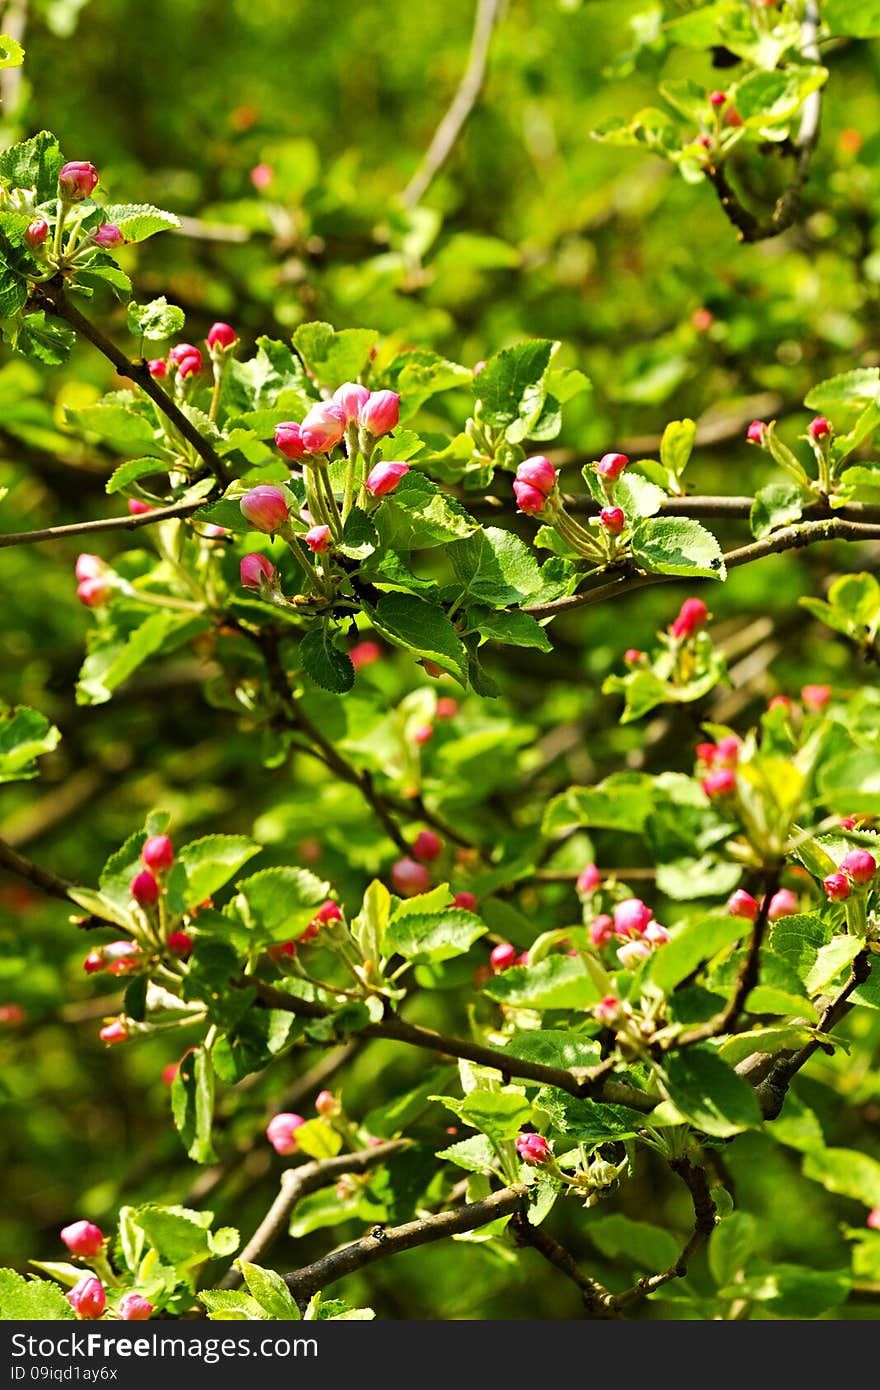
column 433, row 936
column 327, row 665
column 31, row 1300
column 677, row 545
column 25, row 735
column 137, row 221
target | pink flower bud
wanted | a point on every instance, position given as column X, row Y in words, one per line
column 284, row 950
column 859, row 866
column 631, row 917
column 427, row 846
column 613, row 519
column 702, row 320
column 133, row 1307
column 780, row 702
column 704, row 140
column 410, row 877
column 657, row 935
column 327, row 1104
column 12, row 1015
column 352, row 397
column 529, row 499
column 874, row 1219
column 601, row 929
column 364, row 654
column 782, row 904
column 742, row 904
column 633, row 657
column 465, row 900
column 533, row 1149
column 380, row 413
column 265, row 508
column 119, row 957
column 503, row 957
column 254, row 568
column 189, row 365
column 94, row 593
column 288, row 438
column 182, row 350
column 108, row 235
column 588, row 879
column 323, row 427
column 717, row 98
column 608, row 1010
column 816, row 697
column 849, row 822
column 820, row 428
column 756, row 432
column 94, row 962
column 720, row 782
column 692, row 615
column 36, row 233
column 115, row 1032
column 329, row 911
column 423, row 734
column 180, row 943
column 145, row 889
column 221, row 335
column 610, row 466
column 318, row 539
column 138, row 508
column 88, row 1298
column 89, row 567
column 837, row 887
column 447, row 708
column 632, row 952
column 539, row 472
column 706, row 753
column 261, row 176
column 157, row 367
column 384, row 478
column 281, row 1132
column 158, row 854
column 76, row 181
column 83, row 1238
column 727, row 751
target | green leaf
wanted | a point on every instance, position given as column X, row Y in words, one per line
column 192, row 1105
column 11, row 52
column 514, row 629
column 555, row 1049
column 777, row 504
column 847, row 390
column 203, row 866
column 230, row 1305
column 766, row 99
column 417, row 516
column 318, row 1139
column 512, row 387
column 645, row 1246
column 556, row 982
column 419, row 375
column 359, row 535
column 137, row 221
column 709, row 1094
column 500, row 1115
column 327, row 665
column 495, row 567
column 690, row 946
column 846, row 1172
column 433, row 937
column 587, row 1121
column 118, row 426
column 622, row 801
column 48, row 341
column 677, row 545
column 270, row 1291
column 35, row 164
column 860, row 18
column 797, row 940
column 790, row 1291
column 731, row 1244
column 25, row 735
column 334, row 357
column 850, row 782
column 156, row 320
column 476, row 1154
column 677, row 445
column 280, row 903
column 177, row 1234
column 131, row 471
column 107, row 667
column 31, row 1300
column 371, row 923
column 419, row 627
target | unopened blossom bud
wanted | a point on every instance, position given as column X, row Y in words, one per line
column 732, row 117
column 108, row 235
column 849, row 822
column 254, row 568
column 529, row 499
column 133, row 1307
column 692, row 615
column 601, row 930
column 588, row 879
column 265, row 508
column 326, row 1103
column 329, row 911
column 94, row 593
column 88, row 1298
column 119, row 957
column 742, row 904
column 782, row 904
column 318, row 539
column 83, row 1238
column 364, row 654
column 410, row 877
column 189, row 365
column 158, row 854
column 720, row 782
column 780, row 702
column 702, row 320
column 727, row 751
column 705, row 754
column 281, row 1132
column 427, row 846
column 756, row 432
column 610, row 466
column 288, row 438
column 115, row 1032
column 632, row 952
column 859, row 866
column 380, row 413
column 539, row 472
column 502, row 957
column 261, row 176
column 221, row 335
column 423, row 734
column 145, row 889
column 656, row 934
column 608, row 1010
column 717, row 98
column 631, row 917
column 323, row 427
column 385, row 477
column 704, row 140
column 36, row 233
column 138, row 508
column 613, row 519
column 820, row 428
column 447, row 707
column 76, row 181
column 816, row 697
column 874, row 1219
column 181, row 350
column 465, row 900
column 352, row 397
column 89, row 567
column 633, row 657
column 12, row 1015
column 157, row 367
column 837, row 887
column 180, row 943
column 533, row 1149
column 94, row 962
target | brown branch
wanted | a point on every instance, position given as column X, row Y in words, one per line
column 52, row 297
column 110, row 523
column 391, row 1240
column 297, row 1183
column 705, row 1214
column 50, row 883
column 736, row 508
column 598, row 1301
column 463, row 103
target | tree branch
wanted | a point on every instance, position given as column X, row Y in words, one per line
column 598, row 1301
column 110, row 523
column 463, row 103
column 391, row 1240
column 705, row 1214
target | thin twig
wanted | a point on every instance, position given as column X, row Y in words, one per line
column 598, row 1301
column 461, row 106
column 705, row 1215
column 17, row 864
column 110, row 523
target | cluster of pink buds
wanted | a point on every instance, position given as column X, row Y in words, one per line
column 858, row 869
column 784, row 903
column 117, row 958
column 158, row 856
column 504, row 955
column 326, row 914
column 187, row 360
column 633, row 924
column 717, row 764
column 533, row 1149
column 375, row 413
column 95, row 581
column 535, row 482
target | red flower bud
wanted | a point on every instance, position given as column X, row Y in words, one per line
column 318, row 539
column 380, row 413
column 133, row 1307
column 610, row 466
column 138, row 508
column 352, row 397
column 539, row 472
column 410, row 877
column 384, row 478
column 837, row 887
column 423, row 734
column 145, row 889
column 706, row 753
column 157, row 367
column 727, row 751
column 588, row 879
column 282, row 951
column 533, row 1149
column 327, row 1104
column 115, row 1032
column 465, row 900
column 36, row 233
column 253, row 568
column 427, row 846
column 692, row 615
column 158, row 854
column 631, row 953
column 732, row 117
column 89, row 567
column 859, row 866
column 265, row 508
column 108, row 235
column 221, row 335
column 820, row 428
column 323, row 427
column 94, row 593
column 780, row 702
column 816, row 697
column 262, row 175
column 613, row 519
column 364, row 654
column 329, row 911
column 88, row 1298
column 601, row 930
column 83, row 1238
column 76, row 181
column 782, row 904
column 756, row 432
column 529, row 499
column 632, row 656
column 12, row 1015
column 281, row 1132
column 447, row 707
column 717, row 98
column 288, row 438
column 742, row 904
column 631, row 917
column 180, row 943
column 94, row 962
column 720, row 782
column 608, row 1010
column 874, row 1219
